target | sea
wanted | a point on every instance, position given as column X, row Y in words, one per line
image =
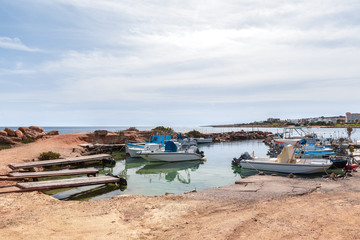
column 157, row 178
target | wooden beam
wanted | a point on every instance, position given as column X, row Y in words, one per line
column 64, row 161
column 10, row 189
column 65, row 183
column 22, row 175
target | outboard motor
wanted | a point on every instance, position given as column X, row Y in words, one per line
column 244, row 156
column 199, row 152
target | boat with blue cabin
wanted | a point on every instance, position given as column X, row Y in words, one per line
column 172, row 153
column 157, row 142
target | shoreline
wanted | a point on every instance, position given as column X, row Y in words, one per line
column 272, row 205
column 266, row 126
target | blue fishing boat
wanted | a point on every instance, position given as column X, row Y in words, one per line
column 157, row 142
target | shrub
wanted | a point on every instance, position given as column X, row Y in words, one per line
column 132, row 129
column 27, row 140
column 163, row 129
column 49, row 155
column 4, row 147
column 195, row 134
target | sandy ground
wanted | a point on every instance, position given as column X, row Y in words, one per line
column 259, row 207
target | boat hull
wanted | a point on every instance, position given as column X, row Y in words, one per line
column 203, row 140
column 170, row 156
column 133, row 152
column 298, row 168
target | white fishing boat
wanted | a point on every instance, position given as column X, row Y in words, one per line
column 291, row 135
column 203, row 140
column 133, row 151
column 172, row 154
column 157, row 141
column 287, row 163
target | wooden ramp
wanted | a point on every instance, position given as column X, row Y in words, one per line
column 35, row 175
column 64, row 161
column 66, row 183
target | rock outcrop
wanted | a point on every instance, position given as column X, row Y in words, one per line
column 11, row 136
column 54, row 132
column 6, row 141
column 19, row 134
column 10, row 132
column 238, row 136
column 3, row 133
column 35, row 134
column 36, row 129
column 22, row 129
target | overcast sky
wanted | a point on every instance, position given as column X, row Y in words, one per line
column 176, row 63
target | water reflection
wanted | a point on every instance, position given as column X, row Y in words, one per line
column 171, row 170
column 90, row 193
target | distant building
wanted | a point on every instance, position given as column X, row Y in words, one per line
column 273, row 120
column 294, row 121
column 352, row 117
column 321, row 120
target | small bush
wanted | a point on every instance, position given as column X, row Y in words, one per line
column 4, row 147
column 49, row 155
column 195, row 134
column 27, row 140
column 132, row 129
column 163, row 129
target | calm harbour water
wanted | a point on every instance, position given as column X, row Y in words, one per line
column 148, row 178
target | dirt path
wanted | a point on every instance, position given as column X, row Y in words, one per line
column 314, row 216
column 261, row 207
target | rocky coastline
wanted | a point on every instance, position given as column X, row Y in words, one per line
column 10, row 137
column 106, row 137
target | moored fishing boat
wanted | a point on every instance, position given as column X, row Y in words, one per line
column 203, row 140
column 287, row 163
column 133, row 151
column 157, row 142
column 172, row 154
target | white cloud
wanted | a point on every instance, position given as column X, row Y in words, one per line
column 15, row 44
column 201, row 52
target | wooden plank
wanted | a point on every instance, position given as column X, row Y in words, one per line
column 80, row 171
column 64, row 161
column 10, row 189
column 102, row 145
column 8, row 178
column 65, row 183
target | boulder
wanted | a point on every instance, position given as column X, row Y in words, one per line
column 22, row 129
column 36, row 129
column 54, row 132
column 6, row 141
column 10, row 132
column 3, row 133
column 16, row 139
column 19, row 134
column 34, row 134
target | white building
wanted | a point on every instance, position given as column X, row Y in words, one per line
column 352, row 117
column 294, row 121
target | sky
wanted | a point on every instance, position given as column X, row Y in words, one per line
column 176, row 62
